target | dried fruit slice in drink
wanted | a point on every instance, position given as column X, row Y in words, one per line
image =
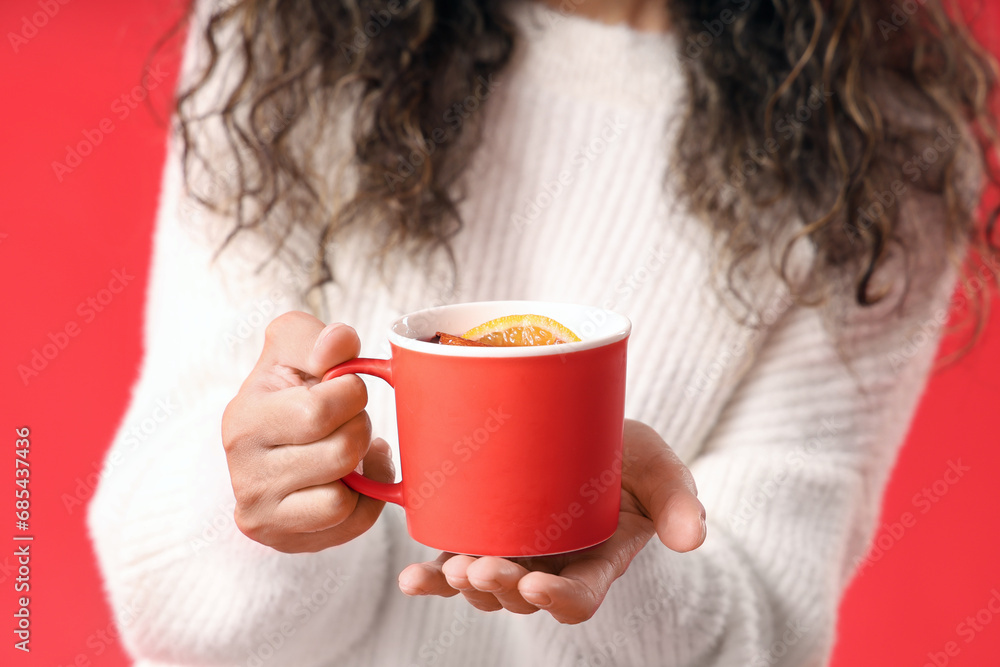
column 520, row 330
column 449, row 339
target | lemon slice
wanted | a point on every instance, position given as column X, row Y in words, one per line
column 520, row 330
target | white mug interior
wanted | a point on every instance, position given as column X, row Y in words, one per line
column 595, row 327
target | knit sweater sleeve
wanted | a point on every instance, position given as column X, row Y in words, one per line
column 791, row 475
column 185, row 585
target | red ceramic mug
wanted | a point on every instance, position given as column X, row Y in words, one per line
column 510, row 451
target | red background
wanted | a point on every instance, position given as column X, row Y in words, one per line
column 60, row 241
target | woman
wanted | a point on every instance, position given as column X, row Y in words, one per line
column 779, row 196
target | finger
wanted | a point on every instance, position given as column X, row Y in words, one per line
column 575, row 594
column 292, row 467
column 315, row 508
column 426, row 578
column 300, row 341
column 454, row 570
column 310, row 508
column 500, row 577
column 280, row 531
column 293, row 532
column 378, row 464
column 680, row 524
column 665, row 490
column 293, row 415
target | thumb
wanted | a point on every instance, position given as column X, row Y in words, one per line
column 377, row 463
column 680, row 521
column 664, row 488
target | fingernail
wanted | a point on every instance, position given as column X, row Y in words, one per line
column 327, row 330
column 407, row 590
column 381, row 446
column 486, row 587
column 537, row 598
column 704, row 529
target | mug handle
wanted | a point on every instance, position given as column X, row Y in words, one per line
column 382, row 368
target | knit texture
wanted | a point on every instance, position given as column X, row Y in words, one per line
column 789, row 430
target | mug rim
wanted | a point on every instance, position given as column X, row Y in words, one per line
column 617, row 328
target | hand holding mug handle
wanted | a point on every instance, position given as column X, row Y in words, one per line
column 289, row 439
column 382, row 368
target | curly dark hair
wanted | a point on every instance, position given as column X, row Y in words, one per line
column 752, row 67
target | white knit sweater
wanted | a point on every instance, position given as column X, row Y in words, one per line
column 789, row 446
